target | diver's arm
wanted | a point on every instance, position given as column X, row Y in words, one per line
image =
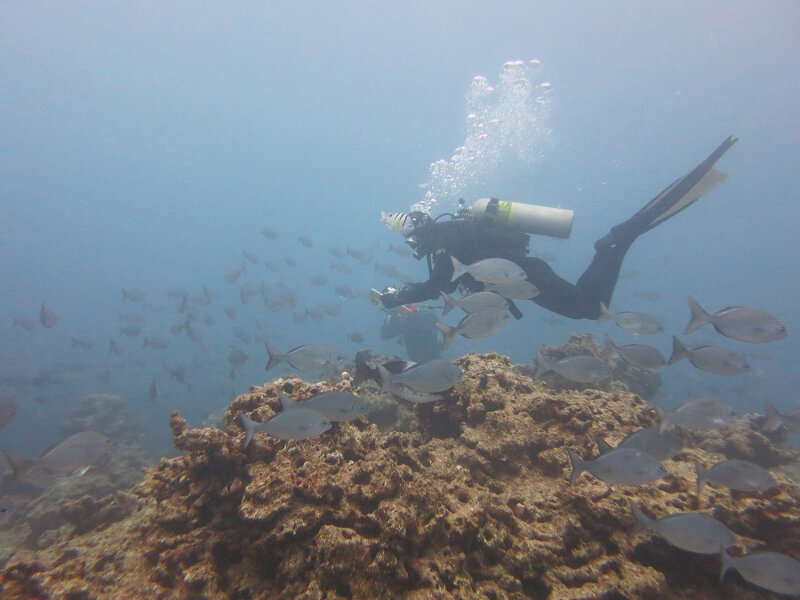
column 426, row 290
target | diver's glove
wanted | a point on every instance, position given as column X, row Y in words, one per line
column 389, row 298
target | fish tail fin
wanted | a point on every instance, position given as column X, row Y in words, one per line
column 286, row 402
column 18, row 464
column 275, row 356
column 363, row 370
column 678, row 351
column 577, row 463
column 701, row 478
column 449, row 303
column 605, row 314
column 540, row 366
column 447, row 333
column 385, row 378
column 727, row 562
column 641, row 520
column 699, row 317
column 609, row 348
column 772, row 418
column 249, row 427
column 458, row 268
column 664, row 420
column 603, row 447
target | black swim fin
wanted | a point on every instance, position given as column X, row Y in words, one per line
column 680, row 194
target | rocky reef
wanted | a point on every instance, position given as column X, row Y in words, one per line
column 470, row 500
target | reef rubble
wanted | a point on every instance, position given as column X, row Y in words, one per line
column 470, row 500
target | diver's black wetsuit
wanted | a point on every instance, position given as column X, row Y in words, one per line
column 417, row 328
column 473, row 239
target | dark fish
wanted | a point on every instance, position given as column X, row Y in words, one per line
column 290, row 261
column 305, row 241
column 356, row 337
column 244, row 297
column 47, row 317
column 27, row 324
column 230, row 312
column 272, row 267
column 82, row 344
column 712, row 359
column 623, row 466
column 131, row 330
column 209, row 319
column 236, row 357
column 294, row 424
column 337, row 252
column 251, row 258
column 743, row 323
column 769, row 570
column 365, row 372
column 8, row 410
column 319, row 280
column 233, row 274
column 341, row 267
column 177, row 328
column 299, row 316
column 332, row 309
column 130, row 317
column 133, row 295
column 275, row 303
column 154, row 392
column 155, row 343
column 317, row 313
column 115, row 348
column 344, row 292
column 270, row 234
column 691, row 531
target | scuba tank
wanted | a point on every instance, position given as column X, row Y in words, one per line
column 528, row 218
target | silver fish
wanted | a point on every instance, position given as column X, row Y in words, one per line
column 769, row 570
column 336, row 406
column 702, row 412
column 313, row 358
column 337, row 252
column 27, row 324
column 635, row 322
column 478, row 324
column 692, row 531
column 498, row 271
column 115, row 348
column 294, row 424
column 344, row 292
column 623, row 466
column 580, row 369
column 251, row 258
column 474, row 302
column 657, row 444
column 82, row 344
column 712, row 359
column 155, row 343
column 131, row 330
column 154, row 392
column 67, row 456
column 735, row 474
column 409, row 395
column 743, row 323
column 521, row 290
column 47, row 317
column 430, row 377
column 640, row 356
column 233, row 274
column 305, row 241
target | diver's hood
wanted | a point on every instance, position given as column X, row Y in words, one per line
column 420, row 238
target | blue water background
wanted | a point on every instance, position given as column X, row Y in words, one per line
column 145, row 146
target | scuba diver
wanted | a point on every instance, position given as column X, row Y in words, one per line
column 416, row 328
column 492, row 228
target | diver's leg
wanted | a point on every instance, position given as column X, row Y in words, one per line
column 557, row 294
column 676, row 197
column 600, row 278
